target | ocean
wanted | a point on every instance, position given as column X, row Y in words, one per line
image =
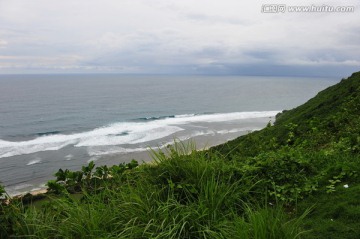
column 49, row 122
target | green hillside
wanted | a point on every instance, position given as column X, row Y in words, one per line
column 330, row 120
column 298, row 178
column 314, row 150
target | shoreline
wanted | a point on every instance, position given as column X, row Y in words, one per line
column 42, row 191
column 202, row 142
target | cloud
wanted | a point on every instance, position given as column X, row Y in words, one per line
column 3, row 43
column 168, row 36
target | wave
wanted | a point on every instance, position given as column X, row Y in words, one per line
column 97, row 151
column 123, row 133
column 34, row 161
column 69, row 157
column 22, row 186
column 187, row 137
column 237, row 130
column 154, row 118
column 22, row 189
column 165, row 117
column 100, row 151
column 48, row 133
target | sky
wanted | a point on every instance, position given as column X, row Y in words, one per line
column 178, row 37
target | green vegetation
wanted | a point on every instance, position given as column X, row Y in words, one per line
column 298, row 178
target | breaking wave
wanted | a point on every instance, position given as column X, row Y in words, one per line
column 122, row 133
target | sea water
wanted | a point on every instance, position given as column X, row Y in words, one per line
column 49, row 122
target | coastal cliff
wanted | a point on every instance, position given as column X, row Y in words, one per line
column 296, row 178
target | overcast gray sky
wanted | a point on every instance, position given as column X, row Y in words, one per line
column 177, row 36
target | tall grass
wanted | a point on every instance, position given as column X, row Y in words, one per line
column 183, row 194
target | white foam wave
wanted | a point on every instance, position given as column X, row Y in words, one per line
column 187, row 137
column 142, row 132
column 34, row 161
column 221, row 117
column 45, row 143
column 22, row 186
column 69, row 157
column 22, row 189
column 197, row 133
column 237, row 130
column 99, row 151
column 121, row 133
column 184, row 115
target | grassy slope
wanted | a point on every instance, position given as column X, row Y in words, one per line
column 329, row 117
column 326, row 132
column 257, row 186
